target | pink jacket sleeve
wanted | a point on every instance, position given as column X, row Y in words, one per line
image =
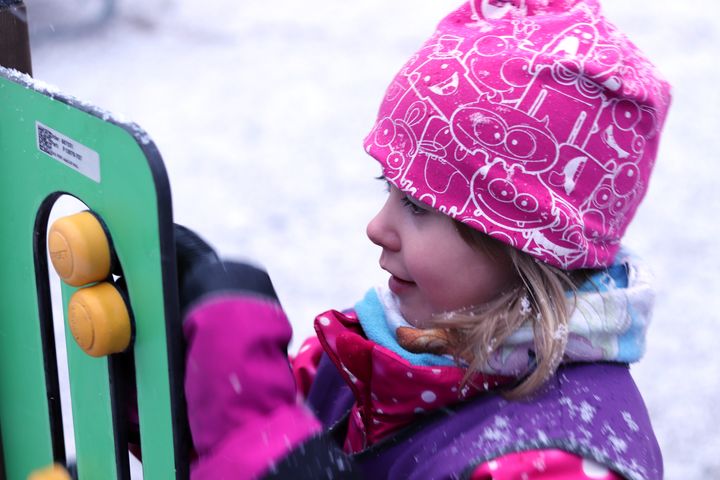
column 548, row 464
column 305, row 364
column 242, row 405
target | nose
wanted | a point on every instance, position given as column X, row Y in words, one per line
column 381, row 229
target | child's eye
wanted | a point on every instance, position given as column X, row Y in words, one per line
column 415, row 208
column 385, row 181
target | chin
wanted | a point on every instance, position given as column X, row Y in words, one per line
column 416, row 320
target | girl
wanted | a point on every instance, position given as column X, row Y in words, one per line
column 517, row 144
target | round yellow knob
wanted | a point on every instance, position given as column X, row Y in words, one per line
column 99, row 320
column 54, row 472
column 79, row 249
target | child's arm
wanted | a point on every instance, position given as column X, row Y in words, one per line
column 241, row 398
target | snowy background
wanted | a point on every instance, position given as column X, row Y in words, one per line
column 259, row 108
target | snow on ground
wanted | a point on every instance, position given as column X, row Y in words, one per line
column 259, row 109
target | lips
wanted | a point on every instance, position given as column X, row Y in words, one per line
column 398, row 285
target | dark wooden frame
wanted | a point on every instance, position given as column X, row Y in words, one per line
column 14, row 37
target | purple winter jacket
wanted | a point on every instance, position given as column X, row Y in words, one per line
column 593, row 410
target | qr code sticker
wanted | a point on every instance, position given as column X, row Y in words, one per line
column 68, row 151
column 46, row 140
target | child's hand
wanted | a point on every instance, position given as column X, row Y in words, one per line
column 201, row 273
column 191, row 250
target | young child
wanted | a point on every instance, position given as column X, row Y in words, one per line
column 516, row 144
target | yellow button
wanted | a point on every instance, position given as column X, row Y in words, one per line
column 99, row 320
column 79, row 249
column 60, row 254
column 54, row 472
column 81, row 325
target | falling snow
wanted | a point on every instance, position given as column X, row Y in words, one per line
column 587, row 412
column 630, row 422
column 235, row 383
column 244, row 101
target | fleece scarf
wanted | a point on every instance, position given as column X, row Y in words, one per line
column 609, row 321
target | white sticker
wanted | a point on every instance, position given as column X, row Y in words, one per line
column 67, row 151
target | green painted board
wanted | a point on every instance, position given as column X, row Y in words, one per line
column 51, row 145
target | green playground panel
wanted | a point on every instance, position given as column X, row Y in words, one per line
column 117, row 172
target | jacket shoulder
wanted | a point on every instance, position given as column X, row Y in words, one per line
column 591, row 410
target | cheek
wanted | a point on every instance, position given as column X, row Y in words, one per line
column 469, row 279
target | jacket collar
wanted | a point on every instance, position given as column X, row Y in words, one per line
column 390, row 392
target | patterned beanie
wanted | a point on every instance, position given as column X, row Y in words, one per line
column 534, row 121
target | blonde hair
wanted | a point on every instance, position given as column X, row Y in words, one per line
column 539, row 296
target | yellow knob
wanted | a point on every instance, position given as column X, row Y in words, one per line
column 54, row 472
column 99, row 320
column 79, row 249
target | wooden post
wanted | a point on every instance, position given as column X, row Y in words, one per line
column 14, row 38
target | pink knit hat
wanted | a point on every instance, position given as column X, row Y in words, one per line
column 535, row 122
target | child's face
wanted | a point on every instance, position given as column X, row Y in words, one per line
column 432, row 269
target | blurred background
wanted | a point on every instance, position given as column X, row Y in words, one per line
column 259, row 109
